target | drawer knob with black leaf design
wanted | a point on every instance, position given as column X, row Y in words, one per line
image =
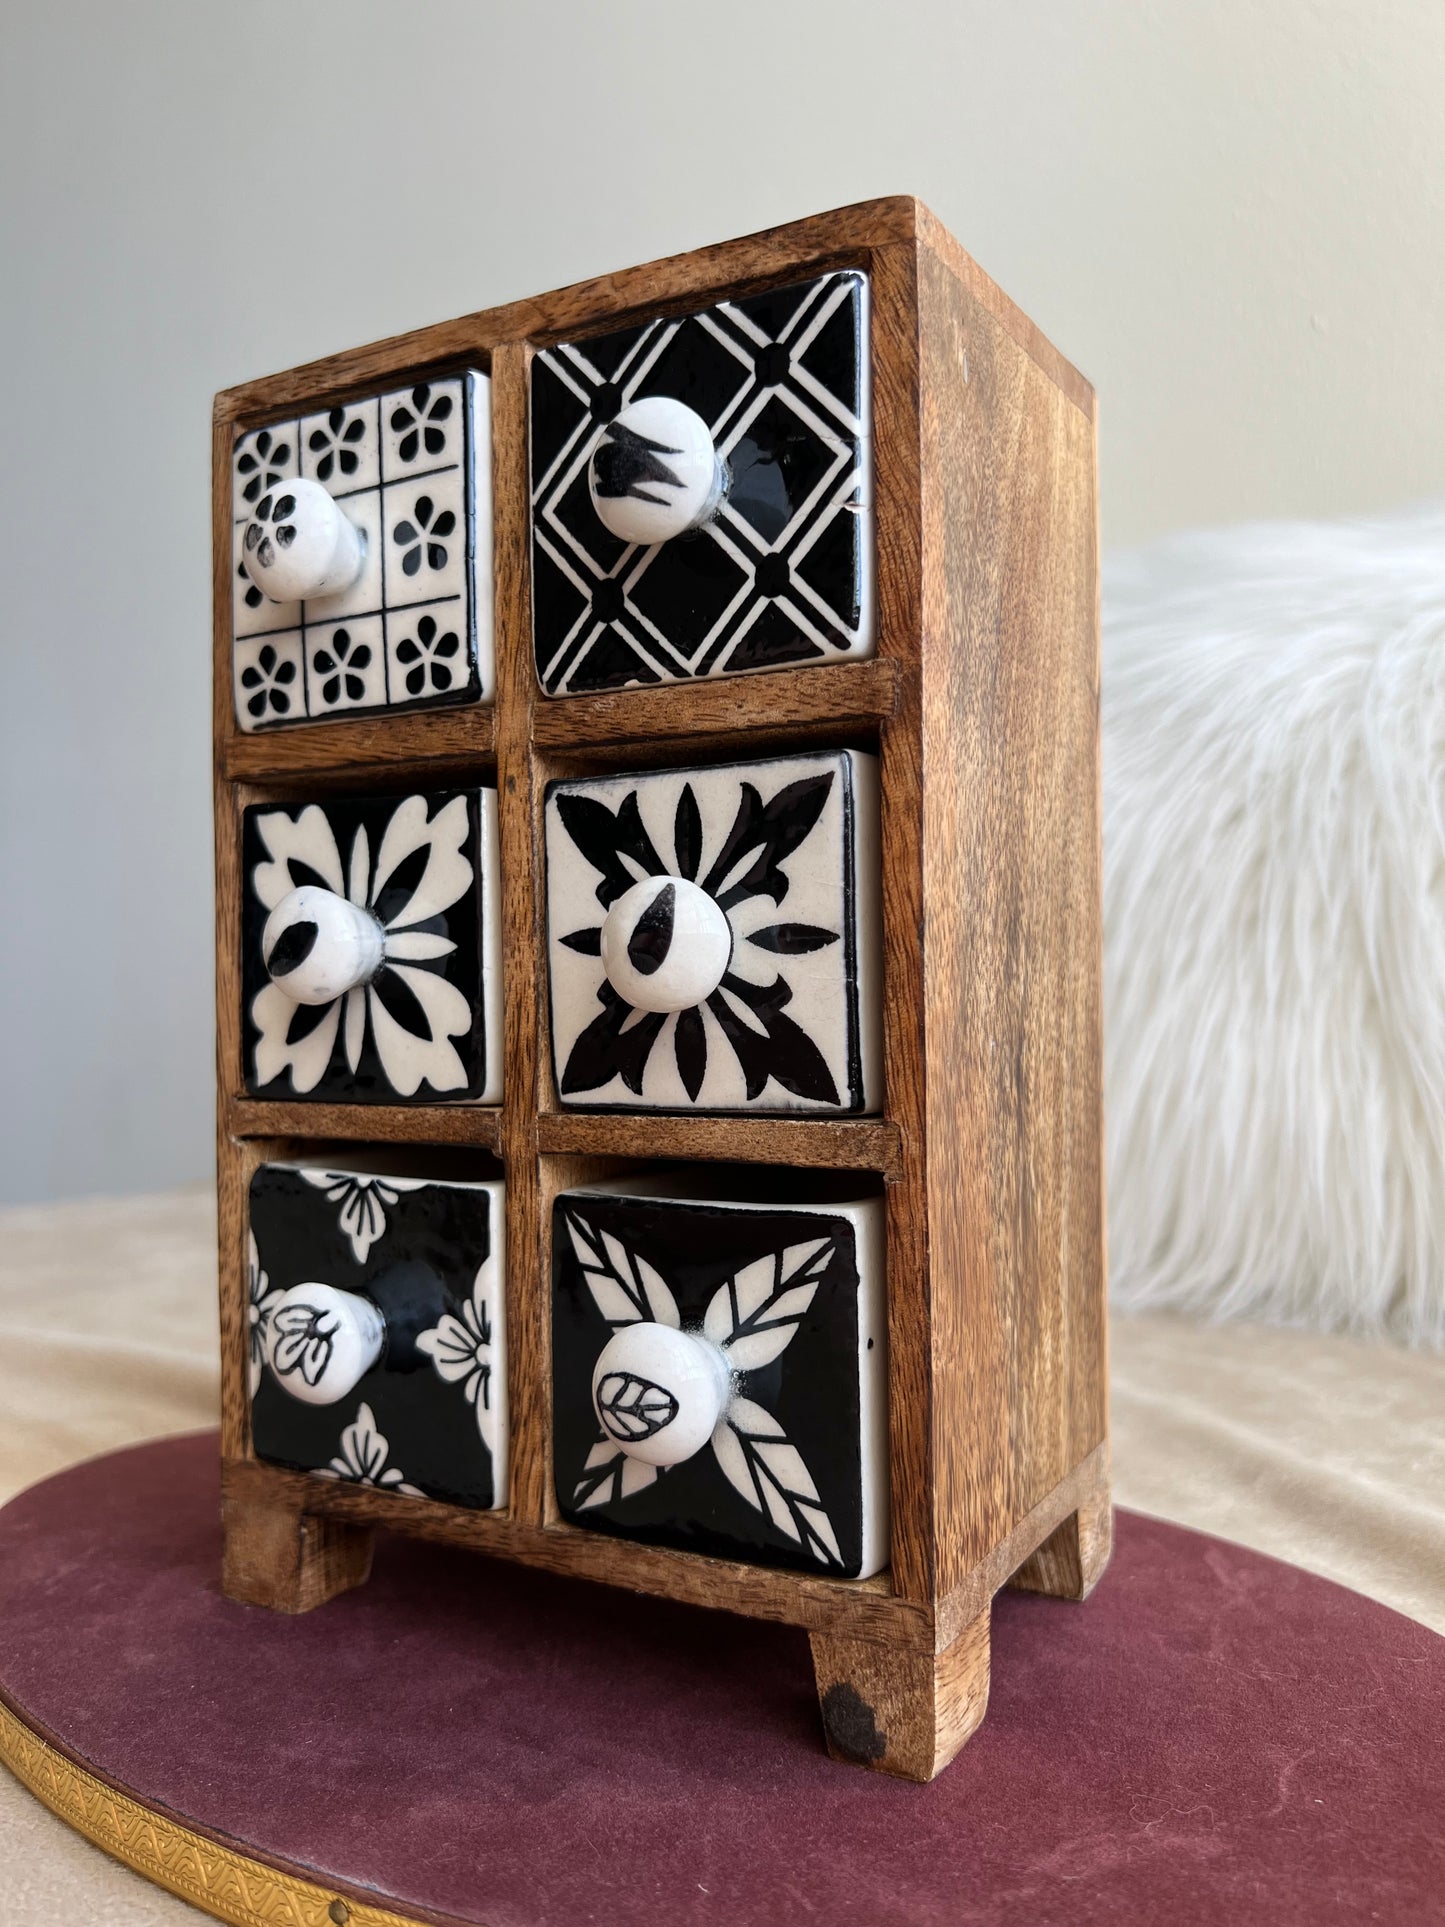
column 655, row 473
column 378, row 1345
column 323, row 1341
column 659, row 1392
column 317, row 945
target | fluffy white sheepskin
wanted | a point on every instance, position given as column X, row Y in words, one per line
column 1274, row 854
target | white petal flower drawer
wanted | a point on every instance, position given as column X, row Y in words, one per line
column 378, row 1343
column 713, row 937
column 702, row 492
column 362, row 564
column 370, row 949
column 719, row 1374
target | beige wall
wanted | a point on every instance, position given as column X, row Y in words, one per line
column 1230, row 215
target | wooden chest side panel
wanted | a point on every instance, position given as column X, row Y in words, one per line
column 1012, row 938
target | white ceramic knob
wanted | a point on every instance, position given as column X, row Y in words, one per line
column 660, row 1392
column 654, row 472
column 317, row 946
column 323, row 1342
column 300, row 544
column 665, row 944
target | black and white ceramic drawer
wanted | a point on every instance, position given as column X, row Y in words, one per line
column 702, row 492
column 713, row 938
column 371, row 949
column 362, row 557
column 377, row 1336
column 720, row 1375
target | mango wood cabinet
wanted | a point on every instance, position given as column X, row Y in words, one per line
column 877, row 567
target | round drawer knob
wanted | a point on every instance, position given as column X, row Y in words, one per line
column 317, row 946
column 665, row 944
column 323, row 1342
column 655, row 473
column 659, row 1393
column 299, row 544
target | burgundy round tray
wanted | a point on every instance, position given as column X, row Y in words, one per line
column 1212, row 1737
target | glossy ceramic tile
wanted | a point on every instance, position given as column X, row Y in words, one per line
column 346, row 662
column 719, row 1375
column 370, row 949
column 713, row 937
column 783, row 572
column 341, row 447
column 270, row 678
column 378, row 1344
column 411, row 470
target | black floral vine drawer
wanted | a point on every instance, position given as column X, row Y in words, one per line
column 362, row 564
column 370, row 949
column 702, row 492
column 378, row 1343
column 719, row 1375
column 713, row 937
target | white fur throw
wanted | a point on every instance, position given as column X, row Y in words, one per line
column 1274, row 851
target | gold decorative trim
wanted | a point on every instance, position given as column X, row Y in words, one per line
column 225, row 1883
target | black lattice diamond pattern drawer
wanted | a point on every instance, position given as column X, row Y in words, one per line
column 378, row 1344
column 783, row 572
column 370, row 949
column 719, row 1374
column 411, row 472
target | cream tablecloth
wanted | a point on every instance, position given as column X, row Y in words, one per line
column 1325, row 1451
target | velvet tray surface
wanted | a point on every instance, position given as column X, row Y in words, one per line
column 1213, row 1735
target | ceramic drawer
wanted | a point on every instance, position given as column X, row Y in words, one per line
column 702, row 492
column 713, row 937
column 719, row 1374
column 398, row 614
column 378, row 1344
column 370, row 949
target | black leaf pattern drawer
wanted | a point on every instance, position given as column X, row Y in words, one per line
column 654, row 562
column 378, row 1345
column 719, row 1374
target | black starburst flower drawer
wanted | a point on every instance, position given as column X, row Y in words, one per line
column 370, row 949
column 702, row 492
column 713, row 937
column 362, row 556
column 719, row 1374
column 378, row 1343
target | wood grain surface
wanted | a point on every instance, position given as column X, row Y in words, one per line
column 1010, row 850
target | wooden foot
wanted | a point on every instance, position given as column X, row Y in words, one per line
column 901, row 1712
column 1070, row 1562
column 280, row 1557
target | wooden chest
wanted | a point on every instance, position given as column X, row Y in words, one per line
column 887, row 608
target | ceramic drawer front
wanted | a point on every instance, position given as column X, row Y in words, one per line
column 713, row 937
column 411, row 627
column 779, row 571
column 720, row 1375
column 378, row 1344
column 370, row 949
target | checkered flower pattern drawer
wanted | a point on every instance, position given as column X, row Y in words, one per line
column 412, row 471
